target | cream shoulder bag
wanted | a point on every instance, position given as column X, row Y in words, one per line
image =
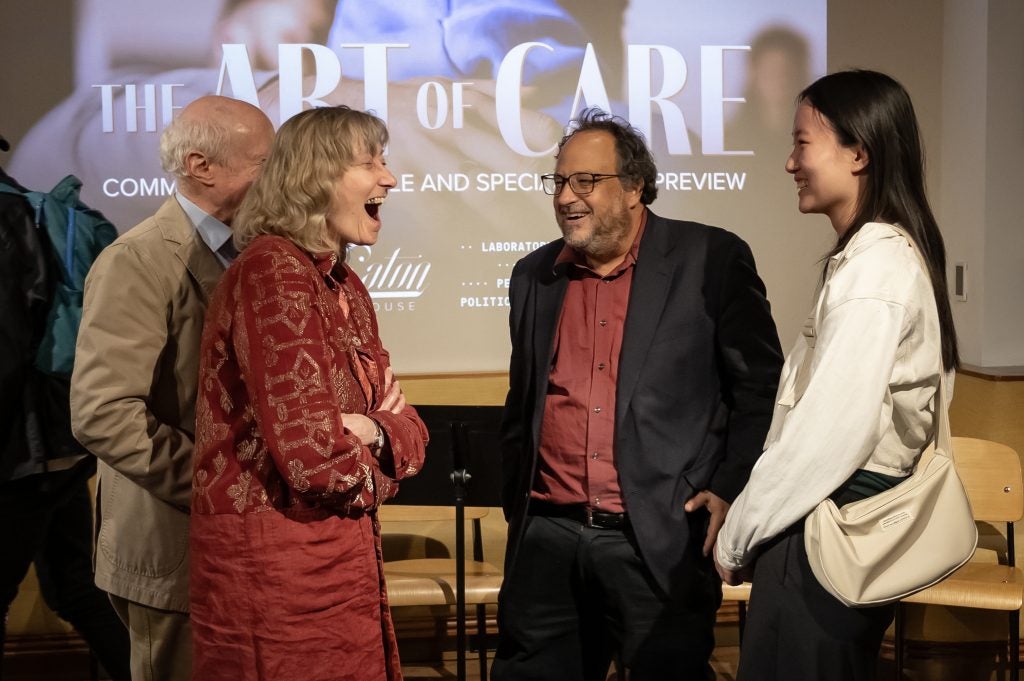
column 885, row 547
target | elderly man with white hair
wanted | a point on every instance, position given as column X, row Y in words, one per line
column 133, row 390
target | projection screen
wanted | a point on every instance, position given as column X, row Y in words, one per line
column 476, row 94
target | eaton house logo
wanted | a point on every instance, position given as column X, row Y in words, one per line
column 393, row 276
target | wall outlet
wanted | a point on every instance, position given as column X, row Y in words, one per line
column 960, row 281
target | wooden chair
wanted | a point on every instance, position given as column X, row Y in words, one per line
column 435, row 581
column 991, row 473
column 459, row 481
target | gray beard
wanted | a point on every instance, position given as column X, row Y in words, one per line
column 605, row 239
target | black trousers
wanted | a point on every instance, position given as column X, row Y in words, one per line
column 578, row 596
column 47, row 519
column 797, row 631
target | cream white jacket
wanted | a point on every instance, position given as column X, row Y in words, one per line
column 864, row 398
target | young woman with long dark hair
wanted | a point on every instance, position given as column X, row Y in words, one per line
column 854, row 419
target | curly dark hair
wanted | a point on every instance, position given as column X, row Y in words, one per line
column 633, row 159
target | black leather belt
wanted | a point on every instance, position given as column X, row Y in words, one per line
column 580, row 513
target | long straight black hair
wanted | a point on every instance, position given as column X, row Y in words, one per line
column 873, row 110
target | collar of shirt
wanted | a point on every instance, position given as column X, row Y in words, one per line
column 868, row 234
column 214, row 233
column 325, row 262
column 570, row 256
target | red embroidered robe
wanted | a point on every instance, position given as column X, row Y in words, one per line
column 286, row 576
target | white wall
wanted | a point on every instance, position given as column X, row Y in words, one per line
column 983, row 174
column 963, row 63
column 962, row 193
column 1002, row 330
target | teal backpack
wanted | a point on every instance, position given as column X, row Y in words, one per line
column 78, row 234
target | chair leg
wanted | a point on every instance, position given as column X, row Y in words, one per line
column 481, row 638
column 1015, row 645
column 898, row 642
column 743, row 619
column 460, row 653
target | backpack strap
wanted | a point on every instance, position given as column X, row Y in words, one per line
column 69, row 244
column 38, row 202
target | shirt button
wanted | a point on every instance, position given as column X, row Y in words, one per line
column 597, row 501
column 594, row 456
column 597, row 410
column 603, row 323
column 600, row 366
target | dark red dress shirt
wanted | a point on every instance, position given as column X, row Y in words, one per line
column 577, row 458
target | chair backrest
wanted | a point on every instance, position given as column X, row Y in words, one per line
column 462, row 439
column 991, row 473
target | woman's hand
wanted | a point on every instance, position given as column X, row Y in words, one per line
column 394, row 398
column 362, row 426
column 735, row 577
column 365, row 428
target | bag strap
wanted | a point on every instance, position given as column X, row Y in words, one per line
column 66, row 193
column 943, row 437
column 69, row 243
column 66, row 260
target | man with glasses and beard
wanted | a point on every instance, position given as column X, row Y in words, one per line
column 643, row 373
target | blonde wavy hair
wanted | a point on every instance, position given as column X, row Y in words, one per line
column 293, row 194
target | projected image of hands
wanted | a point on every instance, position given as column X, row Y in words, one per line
column 262, row 25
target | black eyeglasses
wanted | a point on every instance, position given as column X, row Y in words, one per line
column 579, row 183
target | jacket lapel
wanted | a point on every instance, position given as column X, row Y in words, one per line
column 201, row 263
column 652, row 280
column 189, row 247
column 550, row 292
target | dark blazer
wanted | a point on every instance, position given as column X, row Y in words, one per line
column 698, row 373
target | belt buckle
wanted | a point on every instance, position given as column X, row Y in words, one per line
column 590, row 516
